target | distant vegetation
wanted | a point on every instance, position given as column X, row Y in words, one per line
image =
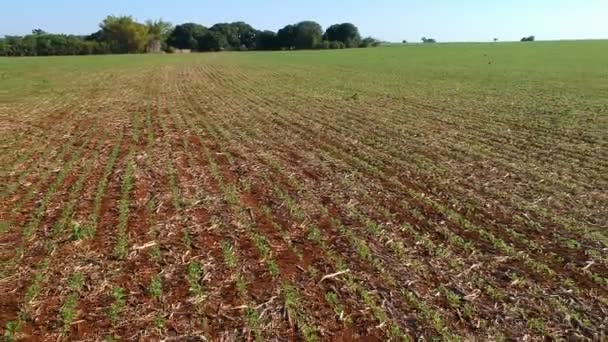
column 428, row 40
column 528, row 39
column 123, row 34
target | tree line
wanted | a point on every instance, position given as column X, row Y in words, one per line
column 123, row 34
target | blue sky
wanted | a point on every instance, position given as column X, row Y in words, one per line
column 393, row 20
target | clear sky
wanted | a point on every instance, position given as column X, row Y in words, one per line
column 392, row 20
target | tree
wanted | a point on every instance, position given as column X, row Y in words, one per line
column 42, row 44
column 238, row 35
column 495, row 40
column 308, row 35
column 95, row 43
column 229, row 33
column 26, row 46
column 245, row 36
column 213, row 41
column 186, row 36
column 266, row 40
column 304, row 35
column 428, row 40
column 404, row 41
column 96, row 36
column 286, row 37
column 48, row 45
column 11, row 44
column 528, row 39
column 346, row 33
column 124, row 35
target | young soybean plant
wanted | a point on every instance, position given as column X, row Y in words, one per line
column 232, row 262
column 66, row 148
column 174, row 182
column 194, row 277
column 293, row 305
column 122, row 245
column 35, row 287
column 118, row 304
column 231, row 194
column 68, row 311
column 30, row 229
column 289, row 292
column 4, row 227
column 87, row 230
column 232, row 198
column 155, row 290
column 13, row 328
column 315, row 236
column 156, row 287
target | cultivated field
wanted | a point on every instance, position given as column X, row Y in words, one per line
column 447, row 192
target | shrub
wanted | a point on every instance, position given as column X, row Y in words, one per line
column 3, row 47
column 336, row 45
column 324, row 45
column 370, row 42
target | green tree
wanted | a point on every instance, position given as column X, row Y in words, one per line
column 309, row 35
column 26, row 46
column 96, row 36
column 186, row 36
column 286, row 37
column 229, row 37
column 213, row 41
column 245, row 34
column 266, row 40
column 18, row 46
column 346, row 33
column 124, row 35
column 238, row 35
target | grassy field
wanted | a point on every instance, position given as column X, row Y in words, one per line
column 448, row 191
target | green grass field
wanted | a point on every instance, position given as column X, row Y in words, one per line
column 449, row 191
